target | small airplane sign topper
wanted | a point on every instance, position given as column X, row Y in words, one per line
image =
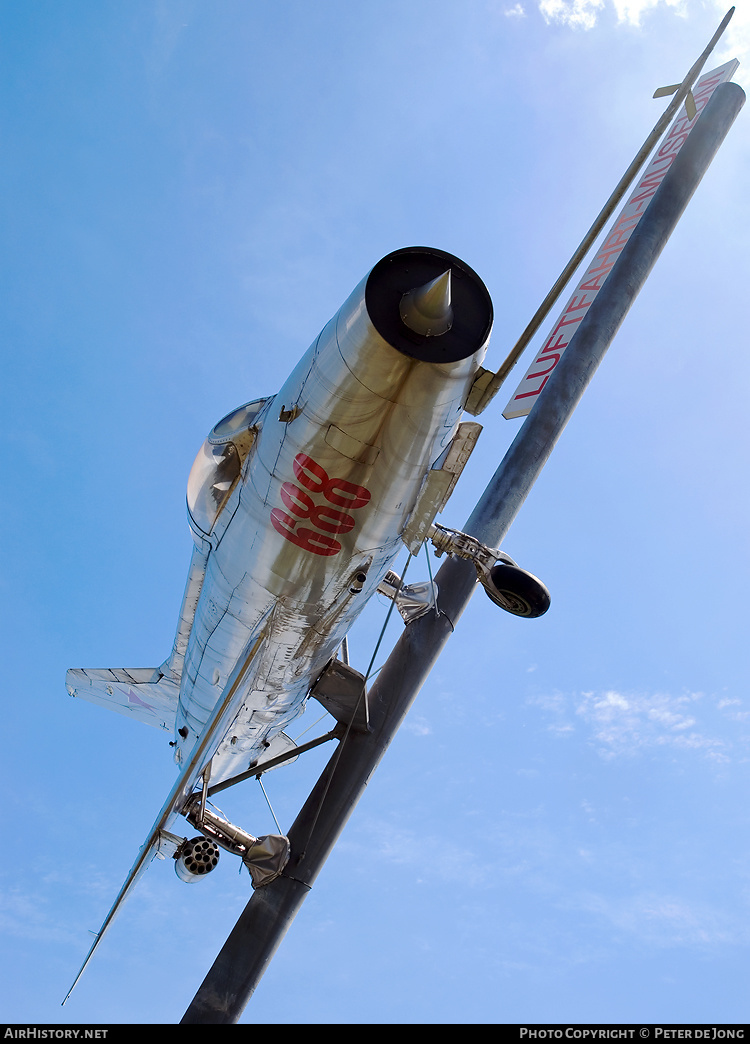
column 684, row 90
column 690, row 106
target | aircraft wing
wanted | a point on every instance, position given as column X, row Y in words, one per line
column 159, row 841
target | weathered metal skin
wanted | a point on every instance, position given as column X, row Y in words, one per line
column 314, row 521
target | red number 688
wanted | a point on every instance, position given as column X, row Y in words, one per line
column 337, row 492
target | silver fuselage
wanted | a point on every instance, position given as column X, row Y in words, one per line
column 310, row 527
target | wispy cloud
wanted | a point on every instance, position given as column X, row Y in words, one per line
column 458, row 858
column 667, row 919
column 736, row 40
column 631, row 11
column 627, row 723
column 583, row 14
column 418, row 726
column 27, row 915
column 578, row 14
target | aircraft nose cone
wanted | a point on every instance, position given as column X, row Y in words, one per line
column 427, row 309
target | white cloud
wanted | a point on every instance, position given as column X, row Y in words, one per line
column 452, row 859
column 30, row 916
column 578, row 14
column 583, row 14
column 735, row 43
column 630, row 11
column 418, row 726
column 667, row 920
column 516, row 11
column 624, row 724
column 560, row 730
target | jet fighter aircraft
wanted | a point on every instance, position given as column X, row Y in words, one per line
column 298, row 505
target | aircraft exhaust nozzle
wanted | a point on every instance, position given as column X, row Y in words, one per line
column 429, row 305
column 427, row 309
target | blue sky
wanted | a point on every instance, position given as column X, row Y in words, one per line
column 189, row 191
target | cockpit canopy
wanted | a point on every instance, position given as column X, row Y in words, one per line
column 219, row 463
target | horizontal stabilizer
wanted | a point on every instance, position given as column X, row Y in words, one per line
column 144, row 694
